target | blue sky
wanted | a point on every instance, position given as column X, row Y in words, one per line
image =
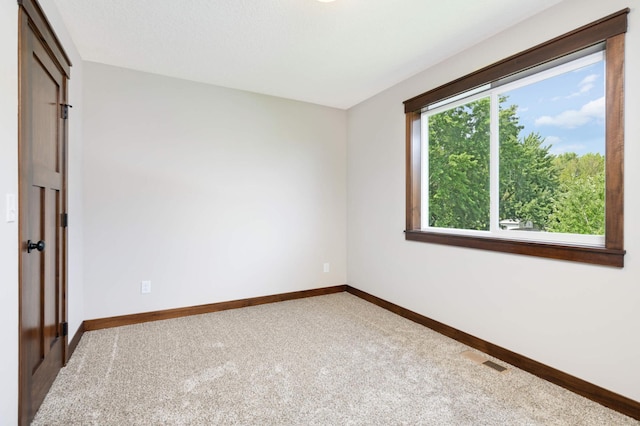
column 567, row 110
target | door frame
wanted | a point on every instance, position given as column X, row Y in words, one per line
column 31, row 17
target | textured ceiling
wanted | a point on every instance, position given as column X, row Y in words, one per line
column 336, row 54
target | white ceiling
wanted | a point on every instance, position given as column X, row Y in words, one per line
column 336, row 54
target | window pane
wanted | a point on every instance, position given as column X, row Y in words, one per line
column 458, row 152
column 552, row 143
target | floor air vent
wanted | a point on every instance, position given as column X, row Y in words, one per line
column 495, row 366
column 480, row 359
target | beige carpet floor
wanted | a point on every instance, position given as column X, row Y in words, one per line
column 328, row 360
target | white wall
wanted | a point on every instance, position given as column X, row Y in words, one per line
column 9, row 184
column 578, row 318
column 213, row 194
column 8, row 231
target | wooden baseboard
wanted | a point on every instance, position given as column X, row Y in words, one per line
column 595, row 393
column 73, row 344
column 100, row 323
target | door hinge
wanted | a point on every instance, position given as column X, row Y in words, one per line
column 65, row 329
column 64, row 220
column 64, row 111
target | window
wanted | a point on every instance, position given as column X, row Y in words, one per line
column 525, row 156
column 541, row 135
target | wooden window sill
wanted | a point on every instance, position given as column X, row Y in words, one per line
column 585, row 254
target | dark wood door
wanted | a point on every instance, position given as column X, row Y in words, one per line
column 42, row 171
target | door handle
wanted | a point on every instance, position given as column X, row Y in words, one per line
column 35, row 246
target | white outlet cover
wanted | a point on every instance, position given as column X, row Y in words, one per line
column 145, row 287
column 326, row 267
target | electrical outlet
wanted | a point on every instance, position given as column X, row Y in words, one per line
column 326, row 267
column 145, row 287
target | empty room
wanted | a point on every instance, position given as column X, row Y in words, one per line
column 319, row 212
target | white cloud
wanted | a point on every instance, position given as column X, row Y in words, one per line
column 552, row 140
column 594, row 108
column 591, row 78
column 572, row 118
column 556, row 150
column 583, row 89
column 584, row 86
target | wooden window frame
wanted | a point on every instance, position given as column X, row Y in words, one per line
column 609, row 30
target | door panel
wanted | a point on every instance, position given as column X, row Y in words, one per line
column 32, row 270
column 51, row 321
column 42, row 154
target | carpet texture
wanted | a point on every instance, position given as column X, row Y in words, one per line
column 327, row 360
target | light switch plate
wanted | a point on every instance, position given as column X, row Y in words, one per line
column 12, row 208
